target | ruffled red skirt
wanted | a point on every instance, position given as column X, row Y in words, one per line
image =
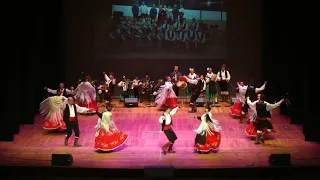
column 172, row 103
column 52, row 125
column 251, row 130
column 92, row 104
column 106, row 142
column 236, row 109
column 212, row 142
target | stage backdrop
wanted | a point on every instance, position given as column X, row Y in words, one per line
column 90, row 45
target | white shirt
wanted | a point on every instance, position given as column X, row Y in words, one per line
column 79, row 110
column 223, row 75
column 243, row 90
column 268, row 105
column 167, row 117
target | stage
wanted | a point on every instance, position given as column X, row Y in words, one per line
column 34, row 146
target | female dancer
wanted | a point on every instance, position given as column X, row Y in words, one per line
column 51, row 108
column 85, row 93
column 108, row 137
column 236, row 109
column 166, row 95
column 208, row 133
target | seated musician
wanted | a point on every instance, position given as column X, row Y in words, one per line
column 146, row 86
column 200, row 40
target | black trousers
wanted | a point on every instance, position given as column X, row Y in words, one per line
column 176, row 90
column 194, row 97
column 73, row 126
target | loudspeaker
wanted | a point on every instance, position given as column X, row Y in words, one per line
column 131, row 102
column 200, row 102
column 280, row 160
column 61, row 160
column 158, row 172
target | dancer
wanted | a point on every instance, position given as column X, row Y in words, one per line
column 85, row 93
column 111, row 83
column 61, row 91
column 175, row 75
column 263, row 108
column 108, row 137
column 70, row 117
column 251, row 130
column 51, row 108
column 166, row 121
column 224, row 77
column 248, row 91
column 212, row 87
column 166, row 95
column 208, row 133
column 197, row 86
column 237, row 107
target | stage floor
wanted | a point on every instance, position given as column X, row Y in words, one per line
column 34, row 146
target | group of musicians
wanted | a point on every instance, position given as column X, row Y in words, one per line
column 146, row 89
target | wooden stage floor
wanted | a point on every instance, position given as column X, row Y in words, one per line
column 34, row 146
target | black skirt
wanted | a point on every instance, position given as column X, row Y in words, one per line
column 200, row 139
column 213, row 88
column 261, row 124
column 223, row 85
column 172, row 137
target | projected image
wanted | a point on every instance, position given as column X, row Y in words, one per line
column 166, row 29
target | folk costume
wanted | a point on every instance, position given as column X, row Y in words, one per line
column 51, row 108
column 212, row 87
column 208, row 133
column 166, row 122
column 224, row 77
column 70, row 117
column 85, row 93
column 197, row 86
column 263, row 108
column 166, row 96
column 108, row 137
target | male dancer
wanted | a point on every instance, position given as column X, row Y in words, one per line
column 71, row 119
column 166, row 121
column 198, row 86
column 110, row 81
column 248, row 91
column 61, row 91
column 175, row 75
column 263, row 114
column 224, row 77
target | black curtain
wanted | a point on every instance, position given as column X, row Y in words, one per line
column 34, row 58
column 286, row 50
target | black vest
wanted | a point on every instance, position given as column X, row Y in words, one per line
column 64, row 93
column 262, row 112
column 66, row 113
column 225, row 72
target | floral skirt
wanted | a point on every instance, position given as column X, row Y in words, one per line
column 236, row 109
column 212, row 142
column 50, row 124
column 106, row 142
column 251, row 130
column 172, row 103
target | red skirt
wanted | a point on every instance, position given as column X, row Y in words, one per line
column 172, row 103
column 251, row 130
column 212, row 142
column 92, row 104
column 105, row 142
column 52, row 125
column 236, row 109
